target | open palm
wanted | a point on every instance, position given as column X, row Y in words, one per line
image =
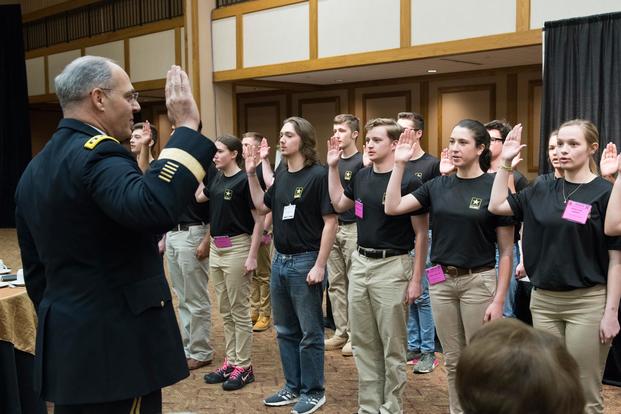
column 608, row 165
column 513, row 144
column 446, row 165
column 405, row 147
column 334, row 152
column 264, row 149
column 251, row 157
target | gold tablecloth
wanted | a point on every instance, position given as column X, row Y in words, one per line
column 18, row 320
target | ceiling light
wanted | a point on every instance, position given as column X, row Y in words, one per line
column 432, row 70
column 338, row 80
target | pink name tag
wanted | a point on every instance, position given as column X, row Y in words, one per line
column 266, row 239
column 358, row 208
column 435, row 275
column 577, row 212
column 222, row 241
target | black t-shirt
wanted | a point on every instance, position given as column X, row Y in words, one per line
column 230, row 204
column 559, row 254
column 425, row 168
column 376, row 229
column 521, row 182
column 348, row 167
column 307, row 190
column 464, row 231
column 199, row 212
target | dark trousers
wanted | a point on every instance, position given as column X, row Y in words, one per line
column 147, row 404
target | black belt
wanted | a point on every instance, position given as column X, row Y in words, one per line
column 186, row 226
column 380, row 253
column 461, row 271
column 344, row 223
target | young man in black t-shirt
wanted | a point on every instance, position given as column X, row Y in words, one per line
column 260, row 301
column 421, row 329
column 498, row 131
column 304, row 231
column 382, row 276
column 346, row 130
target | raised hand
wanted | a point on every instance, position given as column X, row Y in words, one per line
column 405, row 148
column 264, row 149
column 365, row 157
column 516, row 161
column 180, row 104
column 334, row 152
column 146, row 134
column 513, row 144
column 608, row 165
column 446, row 165
column 251, row 158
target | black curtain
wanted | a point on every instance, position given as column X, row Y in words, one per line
column 582, row 77
column 15, row 146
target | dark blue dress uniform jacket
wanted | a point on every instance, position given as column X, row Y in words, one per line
column 86, row 225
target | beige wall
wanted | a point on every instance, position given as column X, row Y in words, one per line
column 514, row 95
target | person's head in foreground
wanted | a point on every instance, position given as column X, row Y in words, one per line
column 511, row 368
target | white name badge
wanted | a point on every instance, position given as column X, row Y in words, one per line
column 289, row 212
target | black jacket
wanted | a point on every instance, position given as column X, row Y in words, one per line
column 86, row 224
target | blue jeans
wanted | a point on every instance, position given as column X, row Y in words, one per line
column 421, row 329
column 509, row 311
column 298, row 320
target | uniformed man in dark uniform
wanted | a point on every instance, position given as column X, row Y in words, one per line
column 107, row 338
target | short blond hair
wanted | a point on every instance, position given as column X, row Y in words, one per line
column 393, row 129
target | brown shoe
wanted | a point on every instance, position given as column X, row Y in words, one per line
column 195, row 364
column 262, row 324
column 254, row 316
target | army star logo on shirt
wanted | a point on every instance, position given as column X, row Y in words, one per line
column 475, row 203
column 228, row 194
column 347, row 176
column 298, row 192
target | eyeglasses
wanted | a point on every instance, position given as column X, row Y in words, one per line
column 129, row 96
column 494, row 139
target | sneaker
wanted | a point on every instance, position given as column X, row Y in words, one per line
column 282, row 397
column 426, row 363
column 239, row 378
column 413, row 356
column 262, row 324
column 309, row 404
column 219, row 375
column 346, row 350
column 4, row 269
column 336, row 342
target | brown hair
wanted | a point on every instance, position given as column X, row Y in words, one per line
column 306, row 131
column 415, row 117
column 352, row 121
column 511, row 368
column 254, row 135
column 501, row 126
column 591, row 135
column 232, row 143
column 393, row 130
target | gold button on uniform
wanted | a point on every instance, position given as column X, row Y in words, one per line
column 162, row 303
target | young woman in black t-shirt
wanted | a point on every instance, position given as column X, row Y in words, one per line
column 235, row 237
column 574, row 268
column 464, row 288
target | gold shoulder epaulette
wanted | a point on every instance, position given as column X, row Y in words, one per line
column 93, row 142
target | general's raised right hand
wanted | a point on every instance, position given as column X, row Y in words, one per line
column 182, row 109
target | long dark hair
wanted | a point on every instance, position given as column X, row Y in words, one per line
column 481, row 137
column 307, row 134
column 232, row 143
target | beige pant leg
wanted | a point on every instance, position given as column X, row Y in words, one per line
column 459, row 306
column 233, row 290
column 575, row 317
column 338, row 267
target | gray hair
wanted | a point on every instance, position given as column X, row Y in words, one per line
column 80, row 76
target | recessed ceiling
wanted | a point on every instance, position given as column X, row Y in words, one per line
column 531, row 55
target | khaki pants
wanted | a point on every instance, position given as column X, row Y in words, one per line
column 459, row 306
column 338, row 267
column 232, row 285
column 575, row 316
column 378, row 317
column 260, row 300
column 189, row 278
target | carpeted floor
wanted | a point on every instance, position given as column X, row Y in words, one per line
column 424, row 394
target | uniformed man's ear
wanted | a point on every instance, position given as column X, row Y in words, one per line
column 96, row 97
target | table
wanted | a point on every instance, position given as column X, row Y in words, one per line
column 18, row 324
